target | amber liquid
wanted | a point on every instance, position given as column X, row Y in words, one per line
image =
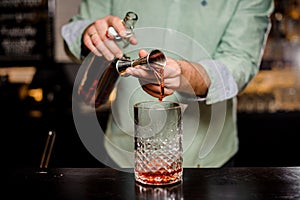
column 160, row 177
column 99, row 82
column 159, row 74
column 162, row 88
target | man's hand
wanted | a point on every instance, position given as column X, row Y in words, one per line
column 95, row 37
column 151, row 83
column 180, row 75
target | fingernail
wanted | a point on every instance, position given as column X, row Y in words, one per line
column 119, row 55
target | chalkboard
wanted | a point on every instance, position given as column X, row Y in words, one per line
column 26, row 30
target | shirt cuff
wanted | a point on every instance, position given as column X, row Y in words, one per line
column 223, row 85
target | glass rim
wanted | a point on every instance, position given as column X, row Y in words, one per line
column 148, row 105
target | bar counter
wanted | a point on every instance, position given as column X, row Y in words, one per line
column 107, row 183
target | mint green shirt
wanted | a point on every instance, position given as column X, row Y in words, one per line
column 226, row 37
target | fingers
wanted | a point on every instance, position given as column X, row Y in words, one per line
column 172, row 69
column 95, row 37
column 155, row 90
column 172, row 73
column 116, row 22
column 143, row 53
column 133, row 41
column 109, row 49
column 150, row 83
column 100, row 45
column 140, row 71
column 87, row 40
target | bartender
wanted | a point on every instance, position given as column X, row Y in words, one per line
column 214, row 49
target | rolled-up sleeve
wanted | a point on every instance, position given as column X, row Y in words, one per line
column 88, row 13
column 238, row 56
column 72, row 34
column 223, row 85
column 242, row 44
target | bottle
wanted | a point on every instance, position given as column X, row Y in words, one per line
column 155, row 61
column 96, row 75
column 98, row 85
column 100, row 76
column 129, row 21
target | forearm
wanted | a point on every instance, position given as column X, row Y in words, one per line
column 194, row 76
column 208, row 81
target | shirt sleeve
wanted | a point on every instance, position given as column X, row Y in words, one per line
column 238, row 56
column 72, row 32
column 223, row 85
column 242, row 44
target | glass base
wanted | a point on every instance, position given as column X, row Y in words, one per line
column 159, row 178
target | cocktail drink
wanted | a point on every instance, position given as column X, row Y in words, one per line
column 158, row 142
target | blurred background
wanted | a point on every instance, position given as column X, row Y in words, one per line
column 36, row 82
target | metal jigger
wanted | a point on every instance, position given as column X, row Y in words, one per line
column 155, row 59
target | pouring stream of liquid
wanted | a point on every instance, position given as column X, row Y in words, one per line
column 159, row 75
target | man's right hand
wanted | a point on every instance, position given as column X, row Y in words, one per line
column 95, row 37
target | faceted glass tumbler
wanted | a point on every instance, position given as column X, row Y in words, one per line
column 158, row 143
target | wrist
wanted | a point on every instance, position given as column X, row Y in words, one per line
column 194, row 79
